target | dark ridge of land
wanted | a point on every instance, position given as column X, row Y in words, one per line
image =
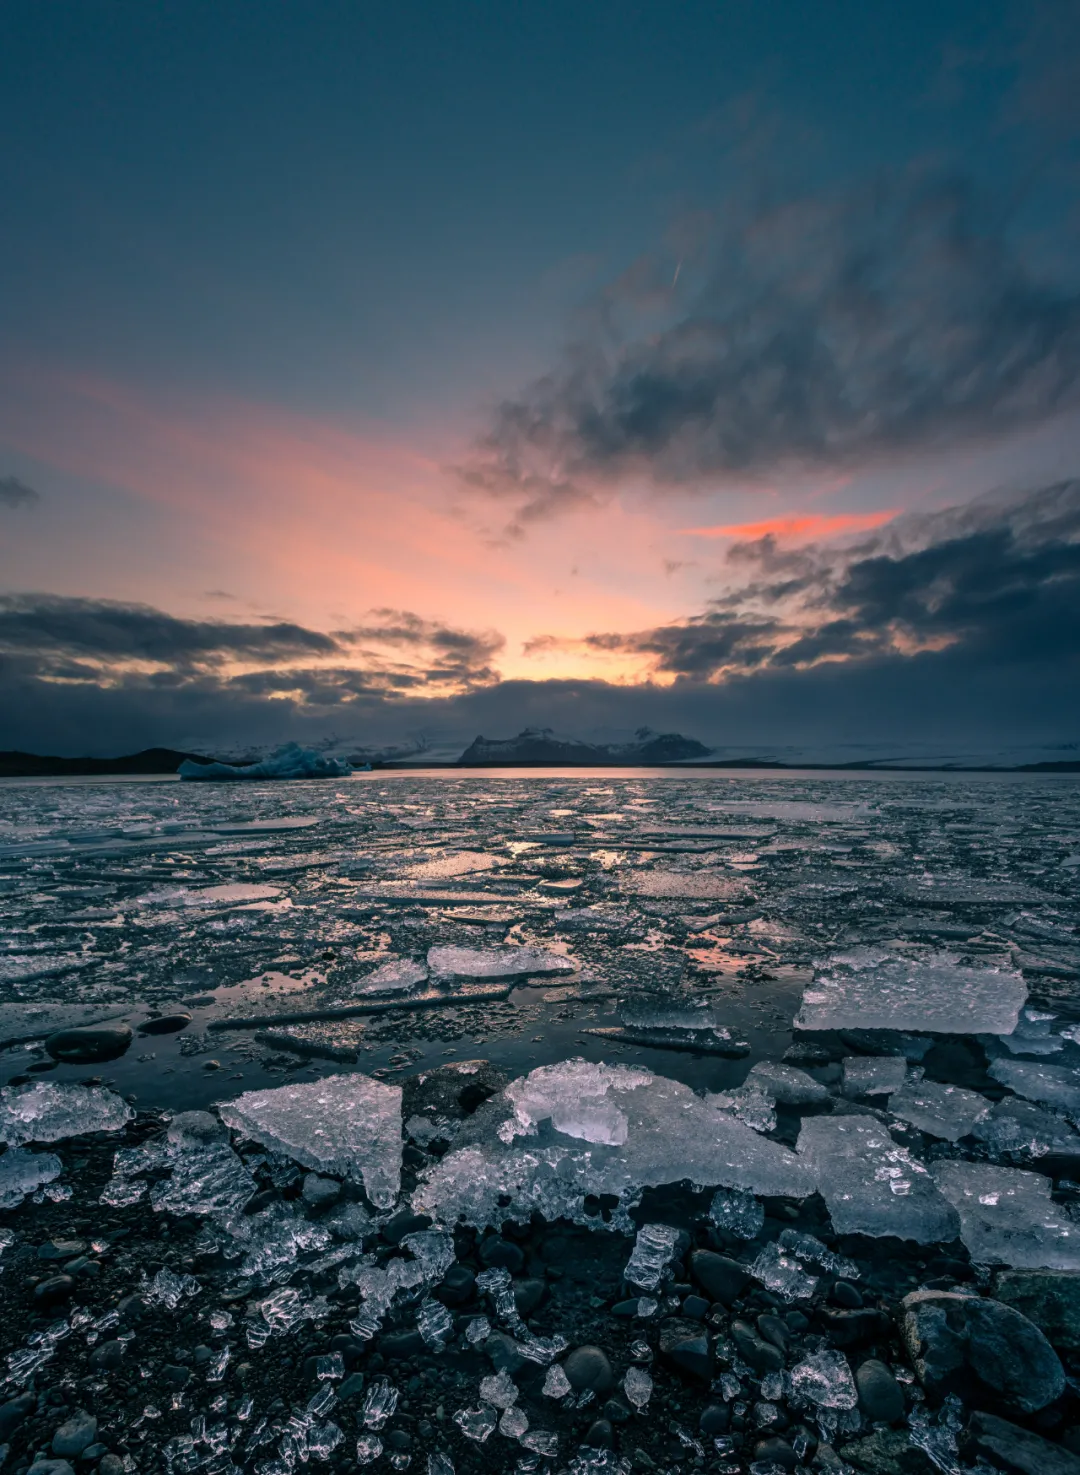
column 14, row 764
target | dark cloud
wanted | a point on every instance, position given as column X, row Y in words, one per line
column 818, row 334
column 15, row 493
column 462, row 655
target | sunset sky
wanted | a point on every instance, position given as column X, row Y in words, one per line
column 371, row 370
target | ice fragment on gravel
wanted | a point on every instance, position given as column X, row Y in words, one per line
column 824, row 1379
column 556, row 1383
column 873, row 1075
column 1007, row 1216
column 476, row 1423
column 737, row 1212
column 808, row 1247
column 379, row 1403
column 870, row 1184
column 782, row 1274
column 513, row 1423
column 948, row 1112
column 23, row 1172
column 435, row 1324
column 499, row 1390
column 1053, row 1085
column 368, row 1449
column 597, row 1129
column 349, row 1125
column 48, row 1111
column 936, row 995
column 653, row 1251
column 495, row 962
column 1032, row 1035
column 638, row 1387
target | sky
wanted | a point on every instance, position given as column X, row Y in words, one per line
column 387, row 374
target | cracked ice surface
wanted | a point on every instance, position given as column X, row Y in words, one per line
column 870, row 1184
column 1053, row 1085
column 566, row 1131
column 1007, row 1216
column 346, row 1124
column 866, row 989
column 46, row 1111
column 495, row 962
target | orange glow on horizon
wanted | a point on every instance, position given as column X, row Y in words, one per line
column 798, row 525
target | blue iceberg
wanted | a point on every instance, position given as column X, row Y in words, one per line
column 291, row 761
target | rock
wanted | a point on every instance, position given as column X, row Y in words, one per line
column 888, row 1452
column 176, row 1375
column 166, row 1024
column 588, row 1367
column 695, row 1307
column 106, row 1356
column 352, row 1387
column 715, row 1419
column 980, row 1349
column 1010, row 1448
column 722, row 1279
column 762, row 1356
column 401, row 1345
column 319, row 1193
column 616, row 1412
column 404, row 1222
column 88, row 1045
column 773, row 1330
column 880, row 1396
column 13, row 1412
column 502, row 1254
column 1049, row 1298
column 61, row 1249
column 503, row 1354
column 775, row 1451
column 111, row 1465
column 850, row 1328
column 94, row 1452
column 527, row 1296
column 686, row 1344
column 74, row 1435
column 52, row 1467
column 458, row 1286
column 600, row 1435
column 845, row 1294
column 55, row 1288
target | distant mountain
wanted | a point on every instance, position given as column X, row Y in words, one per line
column 542, row 745
column 150, row 760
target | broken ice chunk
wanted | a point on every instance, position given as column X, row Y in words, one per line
column 948, row 1112
column 397, row 974
column 1007, row 1216
column 737, row 1212
column 787, row 1085
column 1054, row 1085
column 872, row 1186
column 435, row 1323
column 873, row 1075
column 705, row 885
column 23, row 1172
column 1021, row 1127
column 1032, row 1035
column 48, row 1111
column 756, row 1108
column 379, row 1403
column 476, row 1423
column 701, row 1041
column 937, row 995
column 499, row 1390
column 824, row 1379
column 638, row 1387
column 782, row 1274
column 556, row 1383
column 653, row 1251
column 495, row 962
column 348, row 1125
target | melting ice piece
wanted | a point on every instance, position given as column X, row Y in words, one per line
column 23, row 1172
column 1007, row 1216
column 737, row 1212
column 47, row 1111
column 755, row 1108
column 871, row 1185
column 653, row 1250
column 873, row 1075
column 787, row 1085
column 435, row 1323
column 205, row 1180
column 499, row 1390
column 1016, row 1126
column 379, row 1403
column 824, row 1379
column 1032, row 1035
column 349, row 1125
column 391, row 977
column 807, row 1247
column 556, row 1383
column 597, row 1129
column 782, row 1274
column 936, row 995
column 476, row 1423
column 1053, row 1085
column 948, row 1112
column 513, row 1423
column 638, row 1387
column 495, row 962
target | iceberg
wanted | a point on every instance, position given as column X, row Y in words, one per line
column 349, row 1125
column 291, row 761
column 45, row 1111
column 870, row 1184
column 1007, row 1217
column 565, row 1132
column 935, row 995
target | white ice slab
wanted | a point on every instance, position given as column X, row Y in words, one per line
column 867, row 989
column 948, row 1112
column 495, row 962
column 1053, row 1085
column 1007, row 1216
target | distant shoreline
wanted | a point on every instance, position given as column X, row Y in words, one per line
column 163, row 762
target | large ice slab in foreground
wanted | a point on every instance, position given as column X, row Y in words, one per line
column 1007, row 1216
column 347, row 1124
column 867, row 989
column 48, row 1111
column 570, row 1130
column 870, row 1184
column 495, row 962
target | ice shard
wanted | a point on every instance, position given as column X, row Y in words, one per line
column 1053, row 1085
column 1007, row 1216
column 867, row 989
column 948, row 1112
column 48, row 1111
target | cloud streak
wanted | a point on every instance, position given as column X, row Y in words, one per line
column 15, row 493
column 815, row 334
